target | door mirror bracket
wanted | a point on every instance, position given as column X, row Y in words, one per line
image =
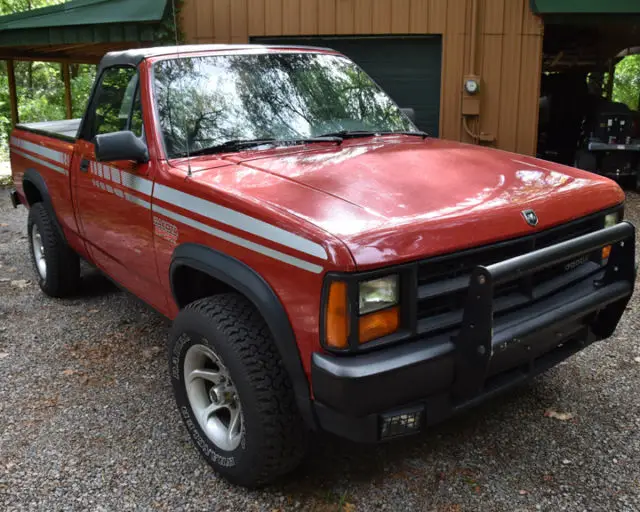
column 410, row 113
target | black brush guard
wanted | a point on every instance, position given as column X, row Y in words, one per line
column 440, row 375
column 476, row 343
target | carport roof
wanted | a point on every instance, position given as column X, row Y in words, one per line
column 82, row 29
column 588, row 35
column 585, row 6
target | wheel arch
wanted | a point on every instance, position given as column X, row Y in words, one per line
column 237, row 276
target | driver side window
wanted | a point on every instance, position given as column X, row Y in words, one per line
column 117, row 103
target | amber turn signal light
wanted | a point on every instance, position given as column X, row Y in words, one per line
column 337, row 316
column 379, row 324
column 606, row 252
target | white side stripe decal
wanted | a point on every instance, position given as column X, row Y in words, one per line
column 190, row 203
column 142, row 185
column 51, row 154
column 296, row 262
column 54, row 167
column 238, row 220
column 211, row 210
column 137, row 200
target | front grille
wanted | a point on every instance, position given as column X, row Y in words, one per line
column 443, row 281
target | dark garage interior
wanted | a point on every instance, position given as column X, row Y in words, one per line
column 580, row 123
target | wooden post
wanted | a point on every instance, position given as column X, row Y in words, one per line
column 66, row 76
column 13, row 96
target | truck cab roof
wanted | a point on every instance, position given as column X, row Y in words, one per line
column 135, row 56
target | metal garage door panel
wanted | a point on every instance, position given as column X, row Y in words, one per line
column 408, row 68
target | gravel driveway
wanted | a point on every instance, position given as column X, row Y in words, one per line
column 88, row 421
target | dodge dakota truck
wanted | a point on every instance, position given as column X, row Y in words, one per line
column 327, row 266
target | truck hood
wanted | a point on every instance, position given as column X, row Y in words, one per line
column 393, row 199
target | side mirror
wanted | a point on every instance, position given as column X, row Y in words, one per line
column 410, row 113
column 120, row 146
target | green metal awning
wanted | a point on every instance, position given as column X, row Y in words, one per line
column 78, row 24
column 585, row 6
column 587, row 35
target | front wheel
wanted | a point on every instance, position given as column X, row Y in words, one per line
column 233, row 392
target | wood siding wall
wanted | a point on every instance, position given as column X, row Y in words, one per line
column 508, row 47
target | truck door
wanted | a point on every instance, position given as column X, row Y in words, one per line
column 113, row 198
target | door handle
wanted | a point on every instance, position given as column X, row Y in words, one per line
column 84, row 165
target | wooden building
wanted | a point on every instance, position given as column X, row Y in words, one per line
column 420, row 51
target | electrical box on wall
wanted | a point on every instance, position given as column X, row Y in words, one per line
column 470, row 106
column 471, row 95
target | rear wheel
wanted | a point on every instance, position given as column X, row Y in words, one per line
column 55, row 263
column 233, row 391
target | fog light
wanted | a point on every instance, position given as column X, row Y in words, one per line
column 401, row 423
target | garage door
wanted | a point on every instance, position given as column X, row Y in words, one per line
column 408, row 68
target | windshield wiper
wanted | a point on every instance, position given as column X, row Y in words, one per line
column 240, row 144
column 419, row 133
column 350, row 134
column 231, row 145
column 353, row 134
column 310, row 140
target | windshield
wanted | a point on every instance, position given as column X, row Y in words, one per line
column 207, row 101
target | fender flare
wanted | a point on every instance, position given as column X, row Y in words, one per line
column 248, row 282
column 33, row 177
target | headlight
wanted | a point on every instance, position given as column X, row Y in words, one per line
column 376, row 315
column 378, row 294
column 611, row 219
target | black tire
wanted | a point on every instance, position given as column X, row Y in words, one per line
column 62, row 264
column 273, row 436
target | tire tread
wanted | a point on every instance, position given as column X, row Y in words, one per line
column 250, row 338
column 63, row 265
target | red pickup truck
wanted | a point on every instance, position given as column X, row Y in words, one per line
column 327, row 266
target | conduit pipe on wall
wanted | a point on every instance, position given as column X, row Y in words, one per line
column 471, row 104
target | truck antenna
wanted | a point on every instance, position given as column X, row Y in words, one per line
column 177, row 39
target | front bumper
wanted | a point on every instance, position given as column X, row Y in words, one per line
column 428, row 380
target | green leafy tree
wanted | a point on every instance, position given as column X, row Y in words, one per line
column 40, row 87
column 14, row 6
column 626, row 85
column 38, row 93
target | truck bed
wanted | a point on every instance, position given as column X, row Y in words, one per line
column 65, row 130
